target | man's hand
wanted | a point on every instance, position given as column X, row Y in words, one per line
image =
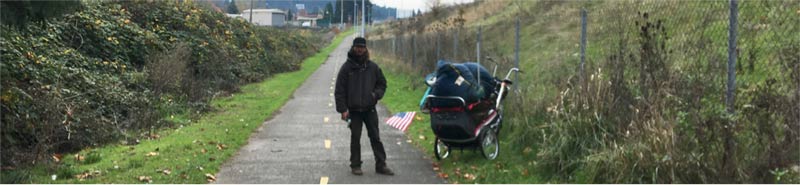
column 345, row 115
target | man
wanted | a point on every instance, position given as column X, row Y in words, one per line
column 359, row 85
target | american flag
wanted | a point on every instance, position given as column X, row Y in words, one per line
column 401, row 120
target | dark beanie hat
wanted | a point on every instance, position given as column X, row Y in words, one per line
column 360, row 41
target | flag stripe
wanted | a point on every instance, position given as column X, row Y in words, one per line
column 401, row 120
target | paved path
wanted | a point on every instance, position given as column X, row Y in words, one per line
column 307, row 143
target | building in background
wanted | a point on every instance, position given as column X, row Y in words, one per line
column 266, row 17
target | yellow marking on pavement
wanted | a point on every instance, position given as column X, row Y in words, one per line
column 323, row 180
column 327, row 144
column 330, row 105
column 327, row 119
column 331, row 94
column 331, row 87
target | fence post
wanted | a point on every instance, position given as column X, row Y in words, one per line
column 438, row 46
column 516, row 55
column 729, row 99
column 394, row 46
column 413, row 51
column 478, row 47
column 729, row 162
column 455, row 45
column 583, row 42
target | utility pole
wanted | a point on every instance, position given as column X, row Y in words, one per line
column 341, row 18
column 355, row 14
column 251, row 11
column 363, row 19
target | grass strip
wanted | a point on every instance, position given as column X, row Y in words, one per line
column 191, row 153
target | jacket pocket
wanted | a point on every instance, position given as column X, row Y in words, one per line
column 373, row 98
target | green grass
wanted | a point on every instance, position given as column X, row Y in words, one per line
column 513, row 166
column 189, row 152
column 549, row 57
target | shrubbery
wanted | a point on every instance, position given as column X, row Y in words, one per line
column 112, row 70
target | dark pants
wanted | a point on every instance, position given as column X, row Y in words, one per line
column 370, row 119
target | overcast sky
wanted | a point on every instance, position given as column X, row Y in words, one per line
column 404, row 6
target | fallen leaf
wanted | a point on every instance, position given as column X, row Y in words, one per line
column 79, row 157
column 527, row 150
column 154, row 136
column 166, row 172
column 419, row 118
column 151, row 154
column 436, row 169
column 498, row 166
column 469, row 176
column 147, row 179
column 83, row 176
column 442, row 175
column 525, row 172
column 210, row 178
column 204, row 150
column 57, row 157
column 221, row 146
column 473, row 167
column 421, row 137
column 53, row 177
column 184, row 176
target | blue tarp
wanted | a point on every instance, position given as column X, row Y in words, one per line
column 461, row 79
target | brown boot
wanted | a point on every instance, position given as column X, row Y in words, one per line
column 384, row 170
column 357, row 171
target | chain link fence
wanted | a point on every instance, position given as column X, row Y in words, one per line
column 606, row 82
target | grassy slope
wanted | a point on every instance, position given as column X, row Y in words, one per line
column 196, row 149
column 549, row 54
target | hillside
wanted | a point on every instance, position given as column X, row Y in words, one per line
column 117, row 72
column 650, row 105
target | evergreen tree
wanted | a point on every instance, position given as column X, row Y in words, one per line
column 328, row 14
column 232, row 9
column 21, row 13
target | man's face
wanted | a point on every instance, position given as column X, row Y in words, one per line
column 360, row 50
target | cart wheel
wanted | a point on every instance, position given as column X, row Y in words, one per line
column 440, row 149
column 490, row 147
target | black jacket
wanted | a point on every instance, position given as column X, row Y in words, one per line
column 359, row 85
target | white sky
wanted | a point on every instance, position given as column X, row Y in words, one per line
column 404, row 7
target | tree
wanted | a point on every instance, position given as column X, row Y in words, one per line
column 328, row 14
column 289, row 15
column 21, row 13
column 435, row 6
column 232, row 9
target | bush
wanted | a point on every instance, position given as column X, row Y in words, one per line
column 111, row 70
